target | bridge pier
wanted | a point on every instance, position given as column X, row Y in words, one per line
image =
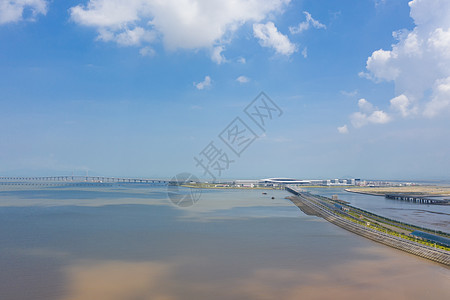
column 414, row 199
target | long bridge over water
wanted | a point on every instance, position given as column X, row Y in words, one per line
column 77, row 179
column 417, row 199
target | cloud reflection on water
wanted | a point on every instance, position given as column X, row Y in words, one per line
column 380, row 276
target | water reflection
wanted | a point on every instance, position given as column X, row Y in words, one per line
column 382, row 276
column 235, row 245
column 118, row 280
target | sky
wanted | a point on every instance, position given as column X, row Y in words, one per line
column 149, row 88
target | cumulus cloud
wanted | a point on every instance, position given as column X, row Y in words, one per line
column 128, row 37
column 368, row 114
column 204, row 84
column 343, row 129
column 242, row 79
column 418, row 62
column 403, row 105
column 242, row 60
column 269, row 36
column 12, row 10
column 379, row 117
column 350, row 94
column 358, row 119
column 217, row 56
column 365, row 106
column 380, row 65
column 187, row 24
column 147, row 51
column 305, row 25
column 441, row 98
column 305, row 52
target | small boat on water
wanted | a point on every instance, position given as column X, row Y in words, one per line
column 264, row 193
column 273, row 197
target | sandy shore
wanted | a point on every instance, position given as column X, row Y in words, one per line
column 410, row 190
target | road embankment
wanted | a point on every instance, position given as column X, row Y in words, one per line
column 318, row 208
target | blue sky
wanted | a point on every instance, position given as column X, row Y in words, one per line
column 138, row 88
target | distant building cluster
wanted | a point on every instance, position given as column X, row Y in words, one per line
column 373, row 183
column 276, row 182
column 318, row 182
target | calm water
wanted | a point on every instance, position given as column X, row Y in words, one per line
column 132, row 243
column 425, row 215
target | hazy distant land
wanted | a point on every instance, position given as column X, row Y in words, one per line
column 410, row 190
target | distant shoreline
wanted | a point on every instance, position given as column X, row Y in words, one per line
column 418, row 190
column 230, row 187
column 364, row 193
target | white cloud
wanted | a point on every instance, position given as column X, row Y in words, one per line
column 368, row 114
column 217, row 56
column 380, row 65
column 365, row 75
column 242, row 60
column 128, row 37
column 343, row 129
column 269, row 36
column 186, row 24
column 204, row 84
column 365, row 106
column 379, row 2
column 147, row 51
column 440, row 100
column 12, row 10
column 403, row 105
column 419, row 62
column 358, row 119
column 350, row 94
column 104, row 14
column 305, row 25
column 242, row 79
column 379, row 117
column 305, row 52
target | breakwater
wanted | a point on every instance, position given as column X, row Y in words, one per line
column 328, row 213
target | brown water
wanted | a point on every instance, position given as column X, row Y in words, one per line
column 131, row 243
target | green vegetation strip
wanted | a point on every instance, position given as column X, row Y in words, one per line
column 388, row 221
column 373, row 230
column 393, row 239
column 394, row 233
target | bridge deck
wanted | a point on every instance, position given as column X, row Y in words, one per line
column 417, row 199
column 96, row 179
